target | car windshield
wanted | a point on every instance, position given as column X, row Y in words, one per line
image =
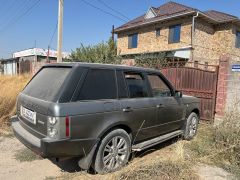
column 47, row 83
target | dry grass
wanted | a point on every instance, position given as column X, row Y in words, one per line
column 10, row 86
column 219, row 146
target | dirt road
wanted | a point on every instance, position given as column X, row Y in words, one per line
column 11, row 167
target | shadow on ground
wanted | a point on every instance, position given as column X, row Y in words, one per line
column 71, row 165
column 67, row 165
column 155, row 148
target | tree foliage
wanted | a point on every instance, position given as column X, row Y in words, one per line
column 104, row 52
column 155, row 60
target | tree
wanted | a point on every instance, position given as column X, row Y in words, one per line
column 104, row 52
column 154, row 60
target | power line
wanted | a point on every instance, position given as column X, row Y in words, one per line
column 114, row 10
column 19, row 17
column 5, row 14
column 3, row 5
column 106, row 12
column 54, row 32
column 11, row 15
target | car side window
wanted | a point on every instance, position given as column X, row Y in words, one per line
column 158, row 86
column 136, row 85
column 99, row 84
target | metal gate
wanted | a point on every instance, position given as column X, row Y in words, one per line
column 24, row 67
column 197, row 80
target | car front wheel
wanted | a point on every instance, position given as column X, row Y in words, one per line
column 113, row 152
column 191, row 126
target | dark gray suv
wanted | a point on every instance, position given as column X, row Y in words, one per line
column 101, row 113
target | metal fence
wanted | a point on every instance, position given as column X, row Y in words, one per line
column 199, row 80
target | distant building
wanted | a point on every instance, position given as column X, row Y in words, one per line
column 29, row 60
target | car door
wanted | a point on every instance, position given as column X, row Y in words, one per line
column 138, row 109
column 95, row 106
column 170, row 109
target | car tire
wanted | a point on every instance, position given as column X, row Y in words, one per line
column 191, row 126
column 113, row 152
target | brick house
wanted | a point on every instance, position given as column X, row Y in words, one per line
column 183, row 32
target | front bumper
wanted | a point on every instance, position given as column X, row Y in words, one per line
column 47, row 147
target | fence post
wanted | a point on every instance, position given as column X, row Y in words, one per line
column 222, row 87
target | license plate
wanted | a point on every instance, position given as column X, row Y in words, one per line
column 28, row 114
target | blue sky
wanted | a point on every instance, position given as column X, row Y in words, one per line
column 82, row 23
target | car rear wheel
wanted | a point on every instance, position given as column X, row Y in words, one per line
column 191, row 126
column 113, row 152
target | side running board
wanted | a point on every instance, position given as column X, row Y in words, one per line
column 157, row 140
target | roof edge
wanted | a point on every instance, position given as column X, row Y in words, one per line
column 153, row 21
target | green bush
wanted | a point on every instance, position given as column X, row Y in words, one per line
column 104, row 52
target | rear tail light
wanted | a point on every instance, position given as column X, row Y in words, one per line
column 67, row 126
column 52, row 129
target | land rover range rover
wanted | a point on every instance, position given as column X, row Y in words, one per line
column 101, row 113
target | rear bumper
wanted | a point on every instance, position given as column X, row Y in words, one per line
column 47, row 147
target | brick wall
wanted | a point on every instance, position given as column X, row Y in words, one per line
column 228, row 89
column 211, row 42
column 222, row 86
column 148, row 42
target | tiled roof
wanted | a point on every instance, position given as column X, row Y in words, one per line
column 172, row 9
column 220, row 16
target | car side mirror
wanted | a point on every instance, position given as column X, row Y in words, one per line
column 178, row 94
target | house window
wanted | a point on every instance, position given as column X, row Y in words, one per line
column 133, row 41
column 174, row 33
column 238, row 39
column 157, row 32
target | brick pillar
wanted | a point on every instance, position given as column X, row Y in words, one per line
column 222, row 86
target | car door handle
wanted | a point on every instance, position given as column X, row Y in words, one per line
column 160, row 106
column 127, row 109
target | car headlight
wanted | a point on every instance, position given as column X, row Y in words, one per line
column 52, row 132
column 52, row 120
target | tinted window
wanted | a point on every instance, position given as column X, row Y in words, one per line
column 136, row 85
column 47, row 83
column 133, row 41
column 122, row 88
column 174, row 33
column 99, row 84
column 159, row 88
column 238, row 39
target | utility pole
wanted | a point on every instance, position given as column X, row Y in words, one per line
column 60, row 29
column 48, row 60
column 112, row 33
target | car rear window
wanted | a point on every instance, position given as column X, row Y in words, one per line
column 47, row 83
column 99, row 84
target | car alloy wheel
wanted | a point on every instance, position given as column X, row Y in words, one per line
column 115, row 153
column 193, row 126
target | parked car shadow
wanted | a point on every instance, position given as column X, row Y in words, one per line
column 71, row 165
column 155, row 148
